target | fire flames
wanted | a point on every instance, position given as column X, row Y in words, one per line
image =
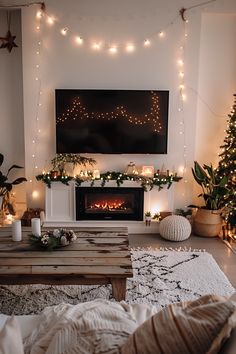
column 108, row 205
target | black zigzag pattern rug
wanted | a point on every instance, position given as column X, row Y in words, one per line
column 160, row 278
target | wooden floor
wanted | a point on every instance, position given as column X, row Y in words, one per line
column 223, row 255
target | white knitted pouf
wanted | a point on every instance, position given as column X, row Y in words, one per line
column 175, row 228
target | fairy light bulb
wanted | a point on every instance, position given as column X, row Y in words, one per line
column 64, row 31
column 181, row 74
column 96, row 46
column 129, row 48
column 39, row 14
column 184, row 97
column 79, row 40
column 147, row 43
column 161, row 34
column 180, row 62
column 50, row 20
column 35, row 194
column 113, row 49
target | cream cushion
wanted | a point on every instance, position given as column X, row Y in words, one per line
column 10, row 338
column 196, row 327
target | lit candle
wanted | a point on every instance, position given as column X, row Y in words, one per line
column 148, row 171
column 16, row 230
column 96, row 174
column 35, row 225
column 42, row 217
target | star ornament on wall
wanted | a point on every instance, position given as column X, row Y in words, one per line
column 8, row 41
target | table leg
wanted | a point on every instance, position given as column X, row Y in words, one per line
column 118, row 288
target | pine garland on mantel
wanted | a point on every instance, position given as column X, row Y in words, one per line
column 147, row 183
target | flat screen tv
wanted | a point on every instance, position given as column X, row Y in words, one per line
column 111, row 121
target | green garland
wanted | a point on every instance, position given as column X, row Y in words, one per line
column 48, row 179
column 147, row 183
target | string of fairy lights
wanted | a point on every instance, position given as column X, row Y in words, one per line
column 78, row 111
column 37, row 131
column 181, row 100
column 112, row 48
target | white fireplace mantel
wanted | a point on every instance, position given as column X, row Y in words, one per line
column 61, row 210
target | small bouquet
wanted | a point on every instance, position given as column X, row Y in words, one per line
column 52, row 239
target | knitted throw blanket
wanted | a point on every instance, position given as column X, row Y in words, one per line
column 98, row 326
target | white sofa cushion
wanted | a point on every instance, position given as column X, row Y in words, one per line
column 10, row 337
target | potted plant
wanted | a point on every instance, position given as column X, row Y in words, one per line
column 208, row 218
column 60, row 160
column 5, row 185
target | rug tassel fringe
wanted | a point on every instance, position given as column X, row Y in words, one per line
column 178, row 249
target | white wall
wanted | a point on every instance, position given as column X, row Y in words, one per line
column 217, row 84
column 63, row 65
column 66, row 66
column 11, row 103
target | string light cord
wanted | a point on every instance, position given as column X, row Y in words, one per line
column 64, row 29
column 205, row 103
column 183, row 9
column 42, row 5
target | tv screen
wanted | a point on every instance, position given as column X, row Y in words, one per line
column 111, row 121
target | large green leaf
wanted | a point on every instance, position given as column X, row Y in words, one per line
column 7, row 186
column 19, row 180
column 1, row 159
column 199, row 173
column 12, row 167
column 210, row 171
column 2, row 178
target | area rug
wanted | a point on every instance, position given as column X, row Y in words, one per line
column 160, row 278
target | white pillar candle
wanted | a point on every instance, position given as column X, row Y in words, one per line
column 35, row 225
column 16, row 230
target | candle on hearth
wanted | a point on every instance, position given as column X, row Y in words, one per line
column 16, row 230
column 96, row 174
column 35, row 226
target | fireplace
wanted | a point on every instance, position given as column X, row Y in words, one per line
column 109, row 203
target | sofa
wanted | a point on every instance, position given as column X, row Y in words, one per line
column 205, row 325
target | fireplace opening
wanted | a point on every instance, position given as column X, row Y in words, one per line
column 109, row 203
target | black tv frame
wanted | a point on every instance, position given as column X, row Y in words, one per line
column 107, row 131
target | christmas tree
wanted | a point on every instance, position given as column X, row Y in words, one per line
column 227, row 164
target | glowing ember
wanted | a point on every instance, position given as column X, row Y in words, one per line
column 107, row 205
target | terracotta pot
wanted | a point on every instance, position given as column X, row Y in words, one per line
column 207, row 223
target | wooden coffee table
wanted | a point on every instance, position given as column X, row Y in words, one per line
column 98, row 256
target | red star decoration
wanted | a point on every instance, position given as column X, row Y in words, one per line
column 8, row 41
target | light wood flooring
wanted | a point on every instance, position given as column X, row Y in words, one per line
column 223, row 255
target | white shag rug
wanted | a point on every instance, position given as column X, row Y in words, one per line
column 160, row 278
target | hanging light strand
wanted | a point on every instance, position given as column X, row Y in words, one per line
column 37, row 130
column 181, row 100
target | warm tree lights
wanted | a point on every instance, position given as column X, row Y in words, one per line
column 152, row 117
column 227, row 164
